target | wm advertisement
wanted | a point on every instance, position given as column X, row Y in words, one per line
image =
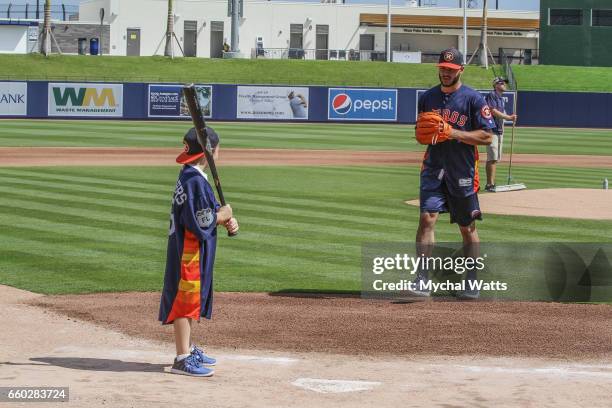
column 70, row 99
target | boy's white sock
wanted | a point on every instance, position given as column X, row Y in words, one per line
column 181, row 357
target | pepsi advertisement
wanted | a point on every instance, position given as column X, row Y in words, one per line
column 362, row 104
column 167, row 101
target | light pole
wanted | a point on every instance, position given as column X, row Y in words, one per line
column 465, row 41
column 235, row 25
column 388, row 30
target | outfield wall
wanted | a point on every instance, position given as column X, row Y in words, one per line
column 222, row 102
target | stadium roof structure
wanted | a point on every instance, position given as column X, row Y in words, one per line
column 494, row 23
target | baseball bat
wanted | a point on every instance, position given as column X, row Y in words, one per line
column 193, row 102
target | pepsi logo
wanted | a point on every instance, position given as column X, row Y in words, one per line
column 342, row 104
column 449, row 56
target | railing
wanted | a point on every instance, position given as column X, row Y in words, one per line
column 28, row 11
column 318, row 54
column 367, row 55
column 521, row 56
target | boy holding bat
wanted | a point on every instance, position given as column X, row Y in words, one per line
column 187, row 294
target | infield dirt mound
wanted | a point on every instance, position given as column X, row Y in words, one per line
column 577, row 203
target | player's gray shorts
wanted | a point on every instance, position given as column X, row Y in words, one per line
column 494, row 150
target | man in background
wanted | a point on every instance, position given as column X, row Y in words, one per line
column 496, row 102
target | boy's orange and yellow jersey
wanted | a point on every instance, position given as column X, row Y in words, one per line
column 191, row 250
column 187, row 300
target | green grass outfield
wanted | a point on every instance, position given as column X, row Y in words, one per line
column 70, row 230
column 76, row 230
column 280, row 136
column 357, row 73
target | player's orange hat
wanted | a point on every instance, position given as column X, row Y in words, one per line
column 451, row 58
column 193, row 149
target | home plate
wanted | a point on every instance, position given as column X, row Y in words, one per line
column 334, row 386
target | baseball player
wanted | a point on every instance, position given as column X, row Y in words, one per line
column 453, row 120
column 496, row 102
column 192, row 239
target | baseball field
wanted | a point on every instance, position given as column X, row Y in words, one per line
column 84, row 216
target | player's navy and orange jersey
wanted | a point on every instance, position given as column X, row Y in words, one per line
column 452, row 162
column 192, row 243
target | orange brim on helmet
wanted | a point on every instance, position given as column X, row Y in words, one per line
column 450, row 65
column 185, row 158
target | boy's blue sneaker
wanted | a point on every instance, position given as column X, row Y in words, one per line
column 190, row 366
column 202, row 358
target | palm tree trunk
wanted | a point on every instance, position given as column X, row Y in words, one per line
column 484, row 47
column 169, row 52
column 45, row 46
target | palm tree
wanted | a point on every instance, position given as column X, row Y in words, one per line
column 45, row 46
column 169, row 52
column 484, row 47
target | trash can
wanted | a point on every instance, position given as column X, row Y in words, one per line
column 94, row 46
column 82, row 46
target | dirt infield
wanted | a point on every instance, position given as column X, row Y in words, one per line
column 350, row 325
column 360, row 353
column 577, row 203
column 124, row 156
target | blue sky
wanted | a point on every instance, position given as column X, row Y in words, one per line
column 503, row 4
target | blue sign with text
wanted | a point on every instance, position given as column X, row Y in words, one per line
column 362, row 104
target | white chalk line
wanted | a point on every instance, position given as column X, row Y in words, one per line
column 601, row 370
column 325, row 386
column 260, row 359
column 577, row 370
column 156, row 355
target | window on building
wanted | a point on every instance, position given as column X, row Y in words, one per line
column 564, row 17
column 602, row 18
column 296, row 36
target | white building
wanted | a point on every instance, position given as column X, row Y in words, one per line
column 294, row 29
column 18, row 37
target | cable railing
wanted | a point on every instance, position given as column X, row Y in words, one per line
column 318, row 54
column 332, row 54
column 30, row 11
column 521, row 56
